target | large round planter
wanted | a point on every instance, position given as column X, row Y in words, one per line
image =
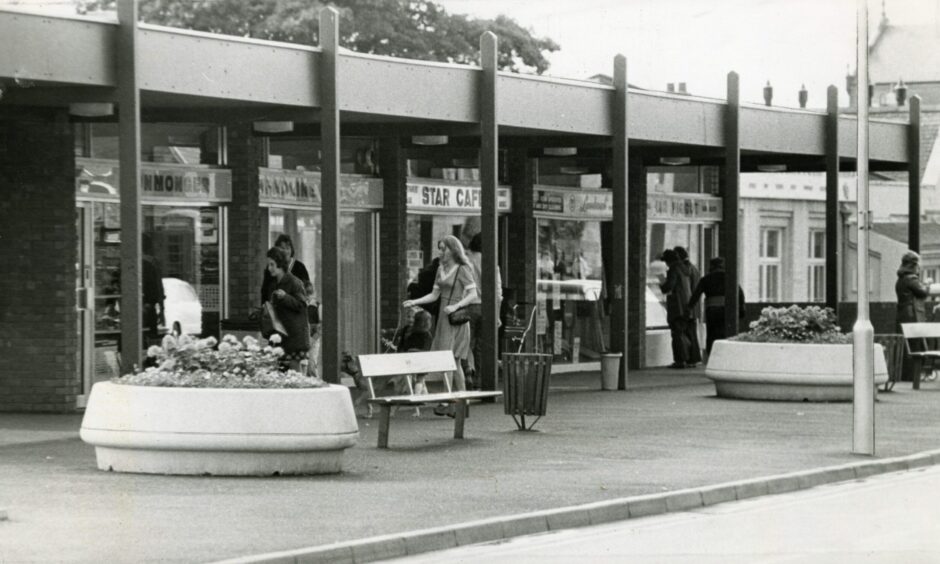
column 786, row 371
column 232, row 432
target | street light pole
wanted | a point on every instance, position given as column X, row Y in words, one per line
column 863, row 334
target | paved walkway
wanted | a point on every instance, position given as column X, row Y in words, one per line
column 667, row 432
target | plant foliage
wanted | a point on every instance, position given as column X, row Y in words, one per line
column 414, row 29
column 795, row 324
column 186, row 362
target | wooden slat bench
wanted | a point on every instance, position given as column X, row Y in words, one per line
column 408, row 365
column 920, row 333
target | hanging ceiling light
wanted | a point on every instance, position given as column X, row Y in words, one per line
column 92, row 109
column 675, row 161
column 273, row 126
column 429, row 139
column 560, row 151
column 772, row 168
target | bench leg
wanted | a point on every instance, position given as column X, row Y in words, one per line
column 918, row 366
column 460, row 414
column 385, row 412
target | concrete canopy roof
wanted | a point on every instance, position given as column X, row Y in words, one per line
column 183, row 74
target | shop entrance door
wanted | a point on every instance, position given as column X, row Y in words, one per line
column 98, row 292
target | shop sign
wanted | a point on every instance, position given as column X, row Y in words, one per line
column 698, row 207
column 441, row 197
column 292, row 187
column 102, row 178
column 580, row 204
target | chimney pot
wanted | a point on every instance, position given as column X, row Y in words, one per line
column 670, row 87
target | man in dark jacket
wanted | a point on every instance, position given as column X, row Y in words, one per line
column 691, row 328
column 678, row 316
column 911, row 293
column 713, row 286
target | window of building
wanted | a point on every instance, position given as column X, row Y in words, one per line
column 771, row 255
column 816, row 262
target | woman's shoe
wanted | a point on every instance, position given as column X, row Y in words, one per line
column 443, row 409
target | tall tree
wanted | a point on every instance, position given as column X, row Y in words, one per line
column 415, row 29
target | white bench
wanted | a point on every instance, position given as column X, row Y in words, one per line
column 920, row 332
column 408, row 365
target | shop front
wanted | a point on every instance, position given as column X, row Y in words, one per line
column 293, row 204
column 183, row 249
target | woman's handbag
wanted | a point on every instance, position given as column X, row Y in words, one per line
column 464, row 314
column 270, row 324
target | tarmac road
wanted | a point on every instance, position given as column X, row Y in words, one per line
column 890, row 518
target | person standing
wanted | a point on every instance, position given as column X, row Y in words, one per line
column 675, row 286
column 294, row 267
column 289, row 302
column 454, row 286
column 475, row 255
column 912, row 294
column 691, row 328
column 712, row 285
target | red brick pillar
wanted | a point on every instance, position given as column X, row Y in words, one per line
column 248, row 222
column 38, row 249
column 393, row 270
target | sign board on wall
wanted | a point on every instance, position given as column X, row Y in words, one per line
column 441, row 197
column 97, row 177
column 599, row 205
column 292, row 187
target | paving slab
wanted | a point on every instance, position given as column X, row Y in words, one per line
column 667, row 433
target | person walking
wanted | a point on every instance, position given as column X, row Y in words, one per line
column 712, row 285
column 675, row 285
column 691, row 328
column 294, row 267
column 475, row 255
column 454, row 286
column 912, row 294
column 289, row 304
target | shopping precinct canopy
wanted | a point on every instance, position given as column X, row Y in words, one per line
column 193, row 76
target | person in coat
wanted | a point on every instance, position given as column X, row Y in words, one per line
column 289, row 301
column 675, row 286
column 691, row 328
column 294, row 267
column 912, row 294
column 712, row 285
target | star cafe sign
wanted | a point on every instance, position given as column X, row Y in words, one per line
column 441, row 197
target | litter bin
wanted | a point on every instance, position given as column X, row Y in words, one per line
column 525, row 386
column 610, row 370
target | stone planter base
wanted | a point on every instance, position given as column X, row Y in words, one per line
column 786, row 371
column 227, row 432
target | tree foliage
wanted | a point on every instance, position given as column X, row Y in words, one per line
column 401, row 28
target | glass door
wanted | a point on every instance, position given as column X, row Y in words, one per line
column 83, row 282
column 105, row 291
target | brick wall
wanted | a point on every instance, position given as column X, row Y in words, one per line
column 248, row 223
column 393, row 272
column 38, row 250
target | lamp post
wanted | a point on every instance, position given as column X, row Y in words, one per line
column 863, row 334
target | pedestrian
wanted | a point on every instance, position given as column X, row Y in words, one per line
column 475, row 255
column 712, row 285
column 313, row 320
column 455, row 288
column 288, row 306
column 294, row 267
column 912, row 294
column 691, row 328
column 675, row 286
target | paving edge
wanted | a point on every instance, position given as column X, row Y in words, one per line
column 596, row 513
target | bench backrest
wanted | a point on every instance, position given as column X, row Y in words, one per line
column 399, row 364
column 921, row 330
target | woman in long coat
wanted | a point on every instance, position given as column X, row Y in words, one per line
column 454, row 285
column 911, row 292
column 290, row 305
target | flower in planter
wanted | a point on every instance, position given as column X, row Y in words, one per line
column 188, row 362
column 795, row 324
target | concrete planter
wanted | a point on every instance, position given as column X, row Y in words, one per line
column 233, row 432
column 786, row 371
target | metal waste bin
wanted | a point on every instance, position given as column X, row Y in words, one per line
column 526, row 378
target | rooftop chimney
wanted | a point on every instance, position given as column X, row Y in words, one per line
column 804, row 96
column 682, row 89
column 768, row 94
column 900, row 92
column 670, row 87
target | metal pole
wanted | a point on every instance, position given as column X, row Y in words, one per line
column 863, row 405
column 730, row 200
column 619, row 332
column 489, row 163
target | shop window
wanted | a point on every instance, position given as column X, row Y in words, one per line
column 357, row 154
column 169, row 143
column 770, row 264
column 816, row 262
column 424, row 231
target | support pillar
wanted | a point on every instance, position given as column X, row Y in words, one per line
column 731, row 194
column 329, row 193
column 129, row 164
column 393, row 231
column 913, row 176
column 523, row 270
column 620, row 298
column 636, row 264
column 489, row 155
column 832, row 199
